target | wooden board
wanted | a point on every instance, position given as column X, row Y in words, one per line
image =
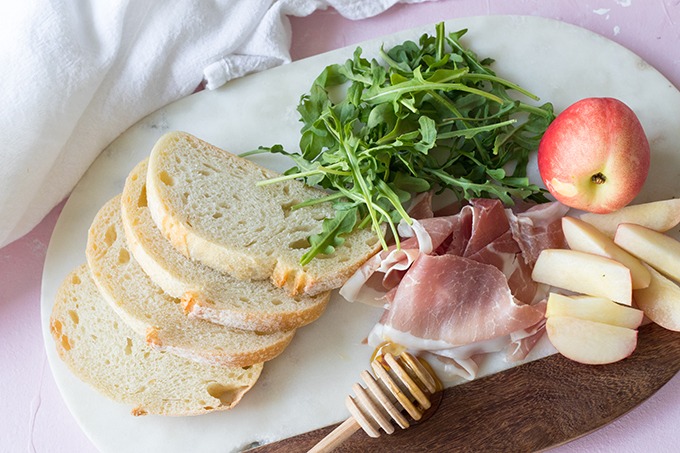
column 535, row 406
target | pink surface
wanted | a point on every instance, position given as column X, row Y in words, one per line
column 34, row 417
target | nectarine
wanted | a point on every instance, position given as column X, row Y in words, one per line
column 594, row 156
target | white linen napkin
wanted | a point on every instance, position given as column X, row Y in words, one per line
column 77, row 73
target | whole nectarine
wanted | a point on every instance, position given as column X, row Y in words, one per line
column 595, row 155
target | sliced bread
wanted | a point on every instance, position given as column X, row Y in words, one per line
column 205, row 292
column 159, row 317
column 104, row 352
column 206, row 202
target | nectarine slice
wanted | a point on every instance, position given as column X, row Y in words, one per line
column 660, row 301
column 656, row 215
column 659, row 250
column 592, row 308
column 584, row 237
column 584, row 273
column 590, row 342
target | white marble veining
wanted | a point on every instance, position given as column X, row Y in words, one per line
column 304, row 388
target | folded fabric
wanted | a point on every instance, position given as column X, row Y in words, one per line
column 77, row 74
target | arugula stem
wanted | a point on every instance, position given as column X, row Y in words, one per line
column 394, row 200
column 471, row 61
column 439, row 39
column 388, row 92
column 368, row 218
column 472, row 130
column 303, row 174
column 365, row 221
column 393, row 228
column 534, row 110
column 501, row 81
column 358, row 177
column 313, row 201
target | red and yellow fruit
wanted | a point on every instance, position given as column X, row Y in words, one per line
column 595, row 155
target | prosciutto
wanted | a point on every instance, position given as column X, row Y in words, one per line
column 469, row 290
column 470, row 302
column 536, row 227
column 393, row 263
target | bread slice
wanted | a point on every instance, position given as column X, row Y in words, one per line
column 104, row 352
column 206, row 202
column 159, row 317
column 205, row 292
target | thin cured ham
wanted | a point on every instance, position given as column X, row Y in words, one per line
column 457, row 301
column 536, row 227
column 393, row 263
column 469, row 292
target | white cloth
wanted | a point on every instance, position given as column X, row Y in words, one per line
column 77, row 73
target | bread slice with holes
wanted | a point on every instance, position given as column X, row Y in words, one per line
column 101, row 350
column 205, row 292
column 206, row 203
column 158, row 317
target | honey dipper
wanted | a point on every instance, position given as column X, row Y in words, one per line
column 397, row 381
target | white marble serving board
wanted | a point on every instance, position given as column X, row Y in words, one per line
column 303, row 389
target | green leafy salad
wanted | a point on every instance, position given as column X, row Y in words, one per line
column 431, row 117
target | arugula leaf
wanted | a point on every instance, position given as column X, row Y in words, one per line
column 330, row 237
column 432, row 116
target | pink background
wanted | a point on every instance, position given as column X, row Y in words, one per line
column 34, row 418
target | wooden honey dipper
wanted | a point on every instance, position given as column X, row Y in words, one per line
column 403, row 380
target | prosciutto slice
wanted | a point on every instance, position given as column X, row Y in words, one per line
column 465, row 289
column 489, row 222
column 538, row 228
column 394, row 262
column 457, row 301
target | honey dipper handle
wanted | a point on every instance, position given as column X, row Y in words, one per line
column 340, row 434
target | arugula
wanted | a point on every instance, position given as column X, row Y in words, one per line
column 433, row 117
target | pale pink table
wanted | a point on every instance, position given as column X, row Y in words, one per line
column 33, row 416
